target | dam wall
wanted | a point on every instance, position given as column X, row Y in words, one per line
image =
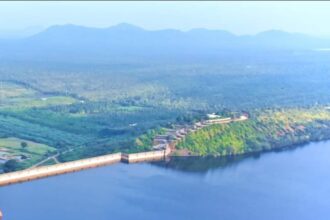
column 45, row 171
column 52, row 170
column 67, row 167
column 145, row 156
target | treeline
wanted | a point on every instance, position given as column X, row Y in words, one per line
column 234, row 84
column 119, row 104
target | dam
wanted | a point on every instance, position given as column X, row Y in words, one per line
column 163, row 146
column 67, row 167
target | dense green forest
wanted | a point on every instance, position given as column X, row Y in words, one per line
column 265, row 130
column 85, row 110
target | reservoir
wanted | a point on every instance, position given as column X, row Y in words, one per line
column 286, row 185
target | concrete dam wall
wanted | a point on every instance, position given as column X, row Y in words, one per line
column 145, row 156
column 52, row 170
column 157, row 154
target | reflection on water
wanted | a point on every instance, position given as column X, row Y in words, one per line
column 203, row 164
column 293, row 184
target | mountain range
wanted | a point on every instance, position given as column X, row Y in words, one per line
column 125, row 41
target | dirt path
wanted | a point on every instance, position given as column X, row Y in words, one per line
column 54, row 157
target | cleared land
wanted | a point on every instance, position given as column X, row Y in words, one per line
column 32, row 153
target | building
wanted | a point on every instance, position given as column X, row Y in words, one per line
column 213, row 116
column 219, row 121
column 160, row 139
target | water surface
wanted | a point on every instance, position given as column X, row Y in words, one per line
column 292, row 184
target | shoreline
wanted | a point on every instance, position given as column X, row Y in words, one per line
column 164, row 146
column 79, row 165
column 275, row 149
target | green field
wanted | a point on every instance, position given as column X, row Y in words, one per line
column 34, row 152
column 34, row 102
column 10, row 90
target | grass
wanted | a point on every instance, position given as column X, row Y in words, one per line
column 9, row 90
column 14, row 127
column 29, row 102
column 13, row 96
column 34, row 151
column 48, row 162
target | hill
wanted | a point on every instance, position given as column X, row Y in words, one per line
column 125, row 42
column 266, row 130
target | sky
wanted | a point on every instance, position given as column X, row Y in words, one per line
column 237, row 17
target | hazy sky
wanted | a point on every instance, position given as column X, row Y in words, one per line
column 237, row 17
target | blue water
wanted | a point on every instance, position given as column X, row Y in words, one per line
column 292, row 184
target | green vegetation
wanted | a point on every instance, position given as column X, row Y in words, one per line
column 145, row 141
column 49, row 162
column 85, row 110
column 29, row 102
column 265, row 130
column 30, row 152
column 10, row 90
column 24, row 144
column 10, row 166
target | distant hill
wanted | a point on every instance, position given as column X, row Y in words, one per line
column 125, row 42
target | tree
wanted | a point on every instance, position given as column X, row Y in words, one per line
column 24, row 144
column 10, row 165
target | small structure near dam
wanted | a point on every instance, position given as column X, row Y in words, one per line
column 146, row 156
column 172, row 136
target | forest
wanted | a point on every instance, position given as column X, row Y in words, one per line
column 83, row 110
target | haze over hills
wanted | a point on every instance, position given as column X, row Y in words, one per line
column 125, row 41
column 20, row 33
